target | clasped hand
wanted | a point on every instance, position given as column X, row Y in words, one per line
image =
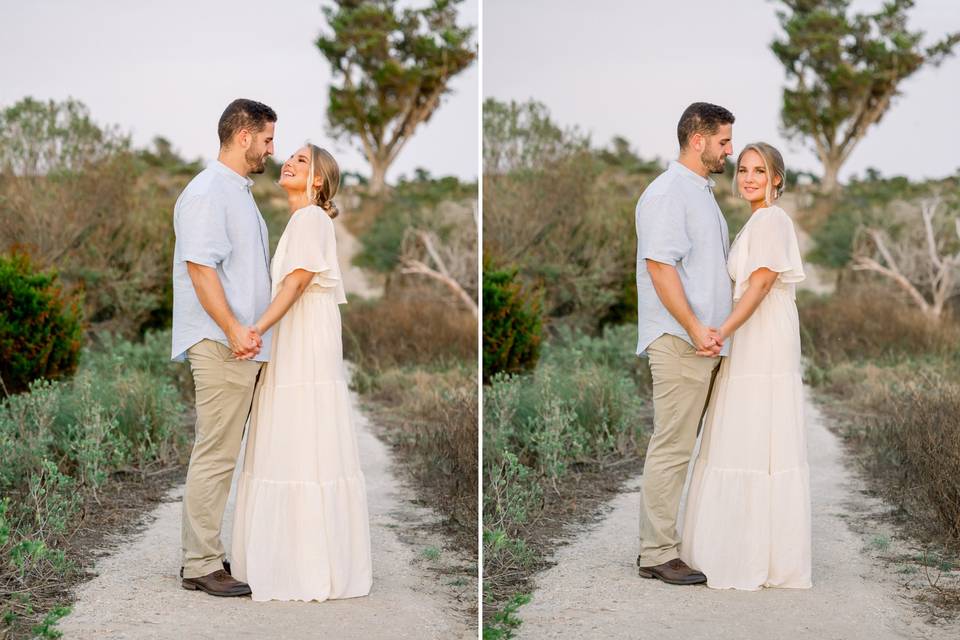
column 245, row 342
column 708, row 342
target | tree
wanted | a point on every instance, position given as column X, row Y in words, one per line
column 843, row 72
column 924, row 261
column 390, row 70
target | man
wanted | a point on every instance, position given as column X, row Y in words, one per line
column 221, row 285
column 683, row 293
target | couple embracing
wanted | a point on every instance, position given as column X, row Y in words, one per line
column 263, row 339
column 719, row 325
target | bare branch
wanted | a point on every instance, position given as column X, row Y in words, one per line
column 928, row 208
column 877, row 238
column 418, row 267
column 863, row 263
column 428, row 245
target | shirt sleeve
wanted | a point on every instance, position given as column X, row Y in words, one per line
column 662, row 230
column 772, row 243
column 311, row 246
column 201, row 229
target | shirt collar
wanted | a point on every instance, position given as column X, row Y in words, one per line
column 230, row 174
column 703, row 183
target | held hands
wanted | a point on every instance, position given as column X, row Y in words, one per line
column 245, row 342
column 707, row 341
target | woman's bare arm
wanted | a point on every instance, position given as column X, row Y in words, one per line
column 761, row 281
column 291, row 288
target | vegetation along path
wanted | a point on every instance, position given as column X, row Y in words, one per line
column 593, row 591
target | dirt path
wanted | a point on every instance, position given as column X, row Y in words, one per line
column 138, row 595
column 594, row 591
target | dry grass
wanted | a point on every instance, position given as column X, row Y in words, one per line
column 417, row 365
column 871, row 323
column 914, row 440
column 894, row 379
column 407, row 330
column 433, row 420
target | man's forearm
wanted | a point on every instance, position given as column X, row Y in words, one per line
column 666, row 282
column 212, row 298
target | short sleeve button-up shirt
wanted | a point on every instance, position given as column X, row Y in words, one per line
column 679, row 223
column 218, row 225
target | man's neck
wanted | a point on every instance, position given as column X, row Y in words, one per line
column 238, row 164
column 693, row 163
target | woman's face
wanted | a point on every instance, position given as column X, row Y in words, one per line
column 752, row 177
column 296, row 171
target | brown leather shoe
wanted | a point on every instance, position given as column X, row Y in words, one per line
column 218, row 583
column 675, row 571
column 226, row 567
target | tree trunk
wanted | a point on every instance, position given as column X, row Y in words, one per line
column 830, row 183
column 378, row 177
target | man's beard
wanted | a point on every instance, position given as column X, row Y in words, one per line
column 256, row 162
column 714, row 165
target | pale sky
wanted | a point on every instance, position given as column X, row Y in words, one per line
column 169, row 68
column 630, row 67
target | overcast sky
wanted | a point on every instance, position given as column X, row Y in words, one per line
column 169, row 68
column 630, row 67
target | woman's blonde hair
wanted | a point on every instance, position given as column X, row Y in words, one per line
column 322, row 164
column 772, row 164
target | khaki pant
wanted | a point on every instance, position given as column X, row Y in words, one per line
column 682, row 381
column 224, row 387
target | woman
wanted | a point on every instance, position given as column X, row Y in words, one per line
column 747, row 520
column 301, row 529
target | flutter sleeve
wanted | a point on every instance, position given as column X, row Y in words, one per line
column 312, row 246
column 771, row 243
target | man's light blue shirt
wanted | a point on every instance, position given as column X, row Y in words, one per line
column 679, row 223
column 218, row 225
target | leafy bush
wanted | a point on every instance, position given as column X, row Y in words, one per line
column 511, row 323
column 555, row 211
column 40, row 328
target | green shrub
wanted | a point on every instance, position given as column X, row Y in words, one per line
column 121, row 413
column 511, row 323
column 40, row 327
column 584, row 404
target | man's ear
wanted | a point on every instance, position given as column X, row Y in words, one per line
column 244, row 139
column 698, row 142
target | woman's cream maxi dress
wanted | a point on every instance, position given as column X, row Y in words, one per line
column 301, row 529
column 747, row 520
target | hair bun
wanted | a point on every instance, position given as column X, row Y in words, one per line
column 330, row 208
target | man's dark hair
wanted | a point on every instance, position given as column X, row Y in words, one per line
column 244, row 114
column 703, row 118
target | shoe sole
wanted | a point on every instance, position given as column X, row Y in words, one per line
column 653, row 576
column 190, row 586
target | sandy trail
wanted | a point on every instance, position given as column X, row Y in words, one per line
column 594, row 591
column 137, row 593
